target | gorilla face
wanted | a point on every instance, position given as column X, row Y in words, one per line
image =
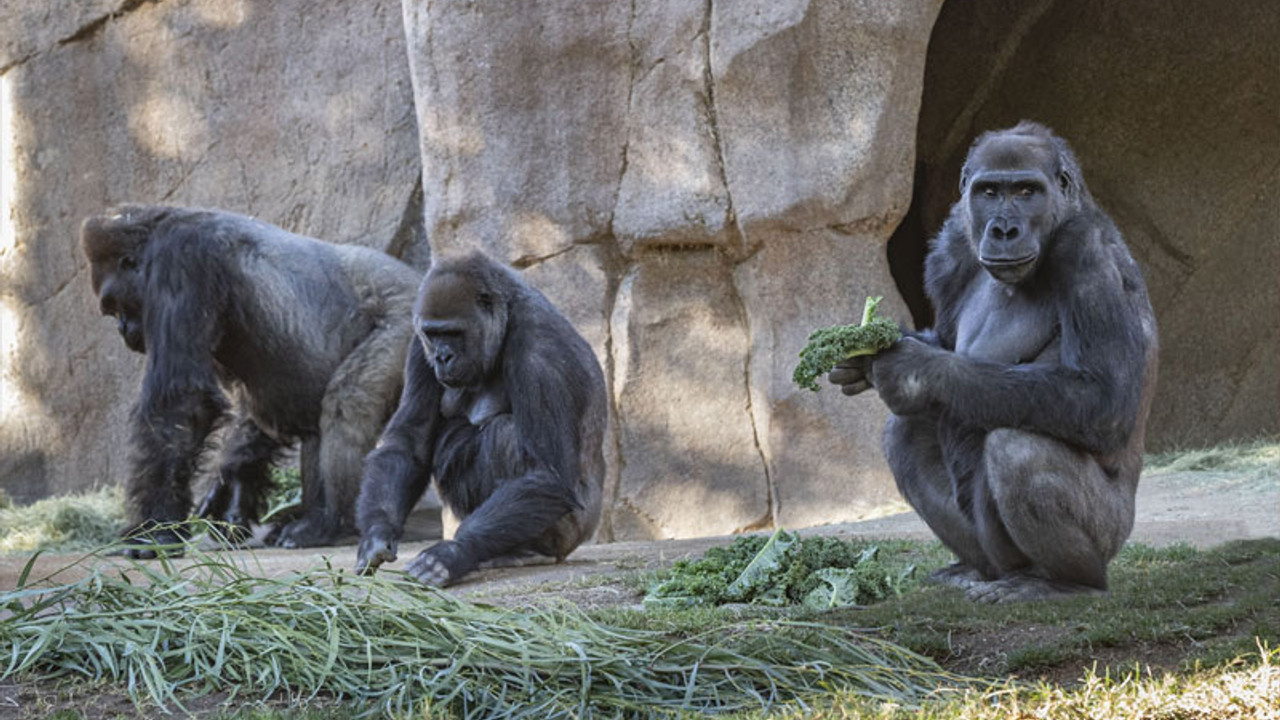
column 458, row 328
column 117, row 275
column 1013, row 202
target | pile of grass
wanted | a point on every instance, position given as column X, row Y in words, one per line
column 74, row 523
column 174, row 630
column 1254, row 461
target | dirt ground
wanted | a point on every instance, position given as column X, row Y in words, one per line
column 1199, row 508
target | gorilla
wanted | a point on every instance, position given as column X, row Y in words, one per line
column 1017, row 421
column 305, row 336
column 504, row 404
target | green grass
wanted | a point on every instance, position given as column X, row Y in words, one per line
column 1192, row 612
column 170, row 632
column 1193, row 605
column 1205, row 606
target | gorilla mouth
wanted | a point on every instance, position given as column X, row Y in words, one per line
column 1009, row 270
column 1008, row 263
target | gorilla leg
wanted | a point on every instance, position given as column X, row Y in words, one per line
column 1058, row 509
column 507, row 507
column 244, row 477
column 912, row 449
column 356, row 405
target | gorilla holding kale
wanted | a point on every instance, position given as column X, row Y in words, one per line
column 307, row 337
column 1018, row 421
column 504, row 404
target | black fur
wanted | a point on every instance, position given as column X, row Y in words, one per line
column 306, row 336
column 1019, row 418
column 504, row 404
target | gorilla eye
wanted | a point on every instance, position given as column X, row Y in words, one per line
column 128, row 263
column 1025, row 192
column 484, row 301
column 988, row 191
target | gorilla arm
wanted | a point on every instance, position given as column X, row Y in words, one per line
column 396, row 473
column 180, row 402
column 1089, row 396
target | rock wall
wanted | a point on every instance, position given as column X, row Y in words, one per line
column 300, row 113
column 697, row 185
column 1172, row 109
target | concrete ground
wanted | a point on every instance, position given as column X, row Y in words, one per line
column 1199, row 508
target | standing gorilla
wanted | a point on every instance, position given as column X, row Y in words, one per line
column 504, row 403
column 1018, row 421
column 307, row 336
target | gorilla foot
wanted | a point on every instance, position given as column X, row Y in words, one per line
column 442, row 564
column 958, row 574
column 1023, row 588
column 304, row 532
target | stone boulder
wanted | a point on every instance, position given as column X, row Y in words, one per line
column 697, row 186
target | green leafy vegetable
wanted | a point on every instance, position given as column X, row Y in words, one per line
column 783, row 569
column 828, row 346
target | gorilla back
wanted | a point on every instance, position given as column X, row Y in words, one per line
column 504, row 404
column 1018, row 420
column 307, row 337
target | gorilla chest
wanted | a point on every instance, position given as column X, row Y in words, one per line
column 1004, row 324
column 477, row 405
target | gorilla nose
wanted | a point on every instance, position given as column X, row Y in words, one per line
column 1003, row 231
column 444, row 357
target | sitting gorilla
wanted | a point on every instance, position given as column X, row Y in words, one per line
column 308, row 337
column 1018, row 421
column 504, row 404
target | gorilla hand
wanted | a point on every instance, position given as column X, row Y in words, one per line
column 442, row 564
column 853, row 375
column 905, row 376
column 377, row 546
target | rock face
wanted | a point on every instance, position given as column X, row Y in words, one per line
column 697, row 186
column 300, row 113
column 1171, row 108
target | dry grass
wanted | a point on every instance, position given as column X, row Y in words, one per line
column 1248, row 689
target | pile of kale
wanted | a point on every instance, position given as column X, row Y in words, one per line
column 785, row 569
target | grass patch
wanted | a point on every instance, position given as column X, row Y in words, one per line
column 1178, row 605
column 75, row 523
column 1246, row 689
column 1251, row 460
column 1168, row 607
column 170, row 632
column 82, row 522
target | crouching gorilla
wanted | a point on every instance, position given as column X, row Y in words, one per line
column 308, row 338
column 504, row 404
column 1018, row 420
